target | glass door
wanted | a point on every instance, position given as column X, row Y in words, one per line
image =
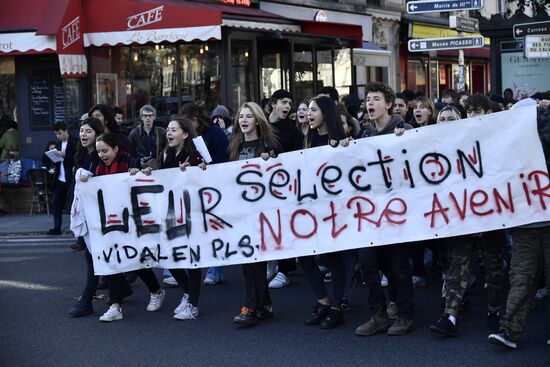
column 243, row 82
column 273, row 66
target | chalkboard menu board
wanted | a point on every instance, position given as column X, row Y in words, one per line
column 58, row 101
column 47, row 99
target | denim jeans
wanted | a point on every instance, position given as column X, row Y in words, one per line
column 215, row 273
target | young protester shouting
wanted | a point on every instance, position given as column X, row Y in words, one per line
column 253, row 137
column 325, row 129
column 216, row 141
column 424, row 112
column 86, row 158
column 290, row 140
column 393, row 260
column 181, row 152
column 114, row 159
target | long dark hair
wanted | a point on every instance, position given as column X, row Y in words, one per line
column 187, row 126
column 109, row 115
column 81, row 151
column 330, row 119
column 193, row 111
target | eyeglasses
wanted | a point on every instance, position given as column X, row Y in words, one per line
column 147, row 116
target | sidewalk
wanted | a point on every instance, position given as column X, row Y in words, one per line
column 13, row 224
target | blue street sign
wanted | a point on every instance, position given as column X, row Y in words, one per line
column 428, row 6
column 449, row 43
column 529, row 29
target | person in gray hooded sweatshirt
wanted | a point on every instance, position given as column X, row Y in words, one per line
column 222, row 117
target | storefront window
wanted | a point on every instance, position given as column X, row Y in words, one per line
column 7, row 88
column 416, row 76
column 303, row 72
column 242, row 72
column 200, row 78
column 154, row 79
column 72, row 99
column 274, row 67
column 467, row 82
column 435, row 79
column 110, row 78
column 342, row 70
column 325, row 76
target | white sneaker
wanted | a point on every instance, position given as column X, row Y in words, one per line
column 541, row 294
column 189, row 312
column 279, row 281
column 184, row 302
column 171, row 281
column 156, row 300
column 112, row 314
column 384, row 281
column 209, row 281
column 418, row 281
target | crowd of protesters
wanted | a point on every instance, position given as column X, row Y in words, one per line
column 280, row 124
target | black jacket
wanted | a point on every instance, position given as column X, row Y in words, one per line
column 68, row 161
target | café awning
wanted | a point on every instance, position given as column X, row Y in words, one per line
column 45, row 26
column 140, row 22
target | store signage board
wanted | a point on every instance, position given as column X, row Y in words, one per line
column 426, row 6
column 537, row 46
column 450, row 43
column 527, row 29
column 463, row 24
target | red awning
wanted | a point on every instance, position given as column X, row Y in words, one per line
column 333, row 30
column 19, row 22
column 70, row 40
column 141, row 22
column 45, row 26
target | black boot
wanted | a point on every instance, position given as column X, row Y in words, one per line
column 81, row 308
column 319, row 313
column 335, row 318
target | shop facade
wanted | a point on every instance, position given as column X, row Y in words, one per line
column 509, row 67
column 162, row 53
column 429, row 73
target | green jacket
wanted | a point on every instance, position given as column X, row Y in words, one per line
column 9, row 143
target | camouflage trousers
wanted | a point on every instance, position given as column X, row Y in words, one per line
column 530, row 255
column 459, row 257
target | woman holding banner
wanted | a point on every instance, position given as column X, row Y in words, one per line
column 114, row 159
column 86, row 160
column 325, row 129
column 253, row 137
column 181, row 152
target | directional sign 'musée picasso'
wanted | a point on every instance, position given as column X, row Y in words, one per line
column 428, row 6
column 450, row 43
column 528, row 29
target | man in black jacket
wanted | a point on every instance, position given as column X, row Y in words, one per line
column 148, row 140
column 63, row 175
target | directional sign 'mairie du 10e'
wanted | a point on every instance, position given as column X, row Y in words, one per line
column 450, row 43
column 428, row 6
column 529, row 29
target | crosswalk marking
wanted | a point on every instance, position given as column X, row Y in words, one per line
column 22, row 248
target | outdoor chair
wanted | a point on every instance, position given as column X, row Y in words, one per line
column 41, row 182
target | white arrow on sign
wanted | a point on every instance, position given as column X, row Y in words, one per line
column 519, row 31
column 414, row 46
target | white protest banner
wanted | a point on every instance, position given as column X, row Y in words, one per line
column 456, row 178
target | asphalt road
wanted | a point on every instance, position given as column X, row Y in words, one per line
column 40, row 278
